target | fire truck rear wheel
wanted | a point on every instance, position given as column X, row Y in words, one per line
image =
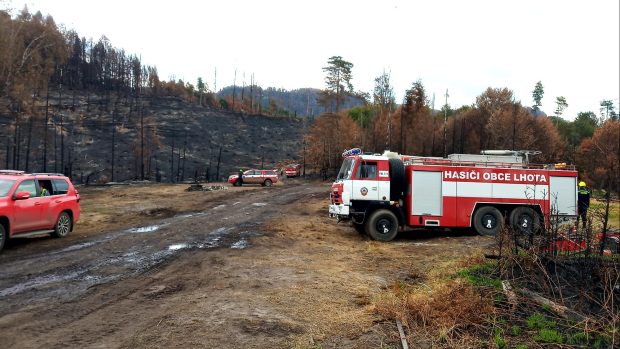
column 524, row 220
column 382, row 225
column 488, row 221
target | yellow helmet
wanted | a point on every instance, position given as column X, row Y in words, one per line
column 582, row 184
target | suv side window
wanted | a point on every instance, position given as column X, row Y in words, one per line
column 47, row 185
column 60, row 186
column 29, row 186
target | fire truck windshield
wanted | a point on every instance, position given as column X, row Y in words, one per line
column 346, row 170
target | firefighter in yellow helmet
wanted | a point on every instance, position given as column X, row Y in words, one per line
column 583, row 203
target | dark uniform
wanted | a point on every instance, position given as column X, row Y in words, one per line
column 583, row 203
column 240, row 179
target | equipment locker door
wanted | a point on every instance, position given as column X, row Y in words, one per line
column 426, row 193
column 563, row 195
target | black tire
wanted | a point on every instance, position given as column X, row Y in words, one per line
column 360, row 228
column 63, row 225
column 382, row 225
column 488, row 221
column 397, row 179
column 525, row 223
column 3, row 236
column 268, row 183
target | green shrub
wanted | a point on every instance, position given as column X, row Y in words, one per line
column 549, row 336
column 515, row 330
column 481, row 275
column 577, row 338
column 499, row 341
column 602, row 343
column 538, row 321
column 521, row 346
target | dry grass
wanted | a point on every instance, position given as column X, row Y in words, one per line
column 356, row 283
column 448, row 312
column 331, row 294
column 117, row 207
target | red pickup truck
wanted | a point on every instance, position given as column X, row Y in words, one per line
column 263, row 177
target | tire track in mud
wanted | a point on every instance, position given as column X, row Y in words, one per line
column 67, row 274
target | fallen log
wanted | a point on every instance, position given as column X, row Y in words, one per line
column 403, row 339
column 557, row 308
column 510, row 294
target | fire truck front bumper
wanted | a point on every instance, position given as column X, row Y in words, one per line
column 339, row 211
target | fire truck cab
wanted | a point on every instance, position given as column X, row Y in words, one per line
column 383, row 194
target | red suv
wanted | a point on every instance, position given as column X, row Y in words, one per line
column 35, row 204
column 262, row 177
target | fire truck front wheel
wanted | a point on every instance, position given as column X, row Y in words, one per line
column 382, row 225
column 488, row 221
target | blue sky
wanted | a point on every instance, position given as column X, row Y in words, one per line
column 464, row 46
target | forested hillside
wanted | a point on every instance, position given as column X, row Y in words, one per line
column 94, row 112
column 277, row 101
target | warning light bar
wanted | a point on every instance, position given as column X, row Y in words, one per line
column 354, row 151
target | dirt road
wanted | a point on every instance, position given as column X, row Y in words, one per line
column 260, row 268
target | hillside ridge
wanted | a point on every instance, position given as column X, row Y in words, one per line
column 165, row 138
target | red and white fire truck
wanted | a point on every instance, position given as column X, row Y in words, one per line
column 384, row 194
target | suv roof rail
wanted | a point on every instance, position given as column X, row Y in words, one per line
column 17, row 172
column 48, row 174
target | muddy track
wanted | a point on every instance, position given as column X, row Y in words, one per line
column 48, row 291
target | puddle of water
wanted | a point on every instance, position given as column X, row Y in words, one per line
column 259, row 204
column 78, row 246
column 424, row 244
column 236, row 203
column 177, row 247
column 219, row 207
column 241, row 244
column 189, row 215
column 147, row 229
column 219, row 231
column 37, row 282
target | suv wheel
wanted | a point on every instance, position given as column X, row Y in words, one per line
column 268, row 182
column 2, row 236
column 63, row 225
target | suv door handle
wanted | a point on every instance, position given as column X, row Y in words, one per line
column 37, row 204
column 58, row 201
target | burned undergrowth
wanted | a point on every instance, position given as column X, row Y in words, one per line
column 559, row 287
